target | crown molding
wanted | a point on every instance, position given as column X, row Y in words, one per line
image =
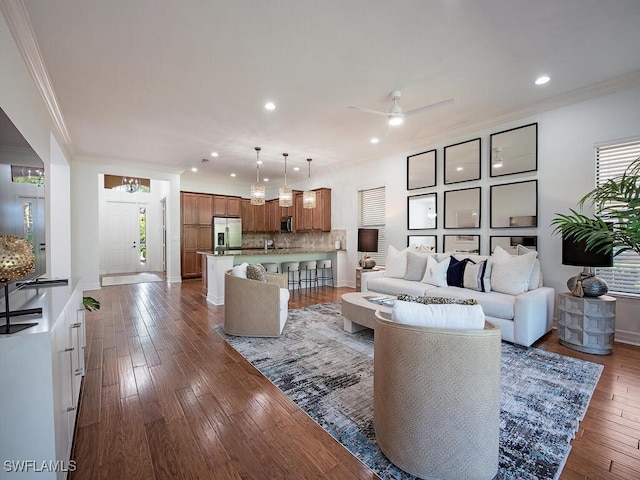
column 15, row 14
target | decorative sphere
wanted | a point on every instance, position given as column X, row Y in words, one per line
column 591, row 286
column 367, row 263
column 16, row 258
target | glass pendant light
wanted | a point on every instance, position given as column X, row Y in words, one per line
column 309, row 196
column 285, row 194
column 257, row 189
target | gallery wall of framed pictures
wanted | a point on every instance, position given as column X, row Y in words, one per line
column 511, row 205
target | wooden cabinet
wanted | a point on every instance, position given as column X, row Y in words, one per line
column 225, row 206
column 248, row 216
column 273, row 216
column 196, row 214
column 313, row 219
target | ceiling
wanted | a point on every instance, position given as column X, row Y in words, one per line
column 165, row 83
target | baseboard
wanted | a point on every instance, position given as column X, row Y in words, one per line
column 174, row 279
column 625, row 336
column 91, row 286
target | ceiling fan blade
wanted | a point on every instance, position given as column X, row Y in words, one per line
column 368, row 110
column 427, row 107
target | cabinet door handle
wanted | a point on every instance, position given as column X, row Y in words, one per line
column 71, row 409
column 70, row 349
column 76, row 325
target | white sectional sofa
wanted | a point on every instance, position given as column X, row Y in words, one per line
column 509, row 288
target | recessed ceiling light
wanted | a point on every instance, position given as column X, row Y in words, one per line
column 194, row 169
column 375, row 140
column 233, row 175
column 542, row 80
column 265, row 179
column 270, row 106
column 259, row 162
column 459, row 169
column 295, row 169
column 214, row 154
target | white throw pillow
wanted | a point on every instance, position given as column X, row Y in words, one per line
column 511, row 274
column 240, row 270
column 535, row 279
column 396, row 263
column 436, row 272
column 477, row 276
column 463, row 317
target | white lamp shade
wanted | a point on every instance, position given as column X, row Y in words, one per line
column 257, row 194
column 285, row 196
column 308, row 199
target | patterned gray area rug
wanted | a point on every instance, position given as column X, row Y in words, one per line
column 328, row 373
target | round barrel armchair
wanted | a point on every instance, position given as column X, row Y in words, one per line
column 437, row 399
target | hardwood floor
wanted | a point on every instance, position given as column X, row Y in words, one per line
column 165, row 397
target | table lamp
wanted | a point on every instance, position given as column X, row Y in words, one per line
column 367, row 242
column 586, row 283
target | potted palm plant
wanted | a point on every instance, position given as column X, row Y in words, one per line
column 615, row 223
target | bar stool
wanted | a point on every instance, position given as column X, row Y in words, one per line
column 324, row 272
column 271, row 267
column 290, row 268
column 310, row 273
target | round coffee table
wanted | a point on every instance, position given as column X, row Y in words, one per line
column 359, row 312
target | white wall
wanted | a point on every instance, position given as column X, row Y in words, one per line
column 23, row 104
column 566, row 140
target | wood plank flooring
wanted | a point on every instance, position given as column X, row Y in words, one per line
column 164, row 397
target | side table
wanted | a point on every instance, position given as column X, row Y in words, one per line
column 360, row 271
column 586, row 324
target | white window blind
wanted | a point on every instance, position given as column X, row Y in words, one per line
column 611, row 161
column 371, row 214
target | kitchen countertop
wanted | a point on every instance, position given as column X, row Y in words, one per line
column 271, row 251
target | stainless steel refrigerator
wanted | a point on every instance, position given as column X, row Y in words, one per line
column 227, row 233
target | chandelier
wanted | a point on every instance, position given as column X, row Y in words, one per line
column 257, row 189
column 285, row 194
column 130, row 184
column 309, row 196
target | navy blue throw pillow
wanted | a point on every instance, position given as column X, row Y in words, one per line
column 455, row 272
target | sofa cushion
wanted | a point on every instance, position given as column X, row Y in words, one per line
column 511, row 274
column 393, row 286
column 256, row 272
column 494, row 304
column 436, row 272
column 240, row 270
column 477, row 276
column 416, row 265
column 427, row 300
column 438, row 316
column 455, row 272
column 396, row 263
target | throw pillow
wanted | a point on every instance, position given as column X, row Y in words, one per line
column 455, row 272
column 436, row 272
column 477, row 276
column 535, row 279
column 463, row 317
column 240, row 270
column 257, row 272
column 416, row 265
column 511, row 274
column 405, row 297
column 396, row 263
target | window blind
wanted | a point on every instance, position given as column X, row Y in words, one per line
column 612, row 161
column 371, row 214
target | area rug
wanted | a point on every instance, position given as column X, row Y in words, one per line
column 130, row 279
column 328, row 373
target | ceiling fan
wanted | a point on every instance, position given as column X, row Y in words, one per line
column 395, row 115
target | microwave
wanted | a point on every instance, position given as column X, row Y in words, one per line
column 286, row 224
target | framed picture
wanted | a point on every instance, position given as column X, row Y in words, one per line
column 514, row 151
column 462, row 243
column 462, row 208
column 421, row 170
column 514, row 205
column 510, row 244
column 422, row 211
column 427, row 243
column 462, row 162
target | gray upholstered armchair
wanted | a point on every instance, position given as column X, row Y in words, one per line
column 254, row 308
column 437, row 399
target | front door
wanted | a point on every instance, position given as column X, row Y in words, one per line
column 123, row 238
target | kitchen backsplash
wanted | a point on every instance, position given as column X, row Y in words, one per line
column 313, row 240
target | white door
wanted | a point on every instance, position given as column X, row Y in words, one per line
column 123, row 238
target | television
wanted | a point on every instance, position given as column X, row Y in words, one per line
column 574, row 252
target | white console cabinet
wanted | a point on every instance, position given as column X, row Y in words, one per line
column 41, row 369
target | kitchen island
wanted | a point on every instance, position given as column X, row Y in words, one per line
column 214, row 264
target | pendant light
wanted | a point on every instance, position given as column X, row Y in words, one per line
column 257, row 189
column 285, row 194
column 309, row 196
